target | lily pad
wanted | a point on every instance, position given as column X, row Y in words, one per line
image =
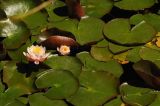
column 13, row 32
column 38, row 99
column 136, row 96
column 85, row 36
column 156, row 102
column 130, row 4
column 95, row 8
column 10, row 95
column 69, row 63
column 119, row 30
column 61, row 84
column 13, row 78
column 109, row 66
column 101, row 53
column 115, row 102
column 97, row 87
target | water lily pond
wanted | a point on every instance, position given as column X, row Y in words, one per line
column 79, row 52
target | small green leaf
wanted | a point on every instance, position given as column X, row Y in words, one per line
column 140, row 33
column 38, row 99
column 136, row 96
column 63, row 84
column 156, row 102
column 134, row 4
column 69, row 63
column 95, row 8
column 97, row 87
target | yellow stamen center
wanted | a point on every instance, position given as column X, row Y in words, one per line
column 37, row 50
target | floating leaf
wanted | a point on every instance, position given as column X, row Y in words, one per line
column 101, row 53
column 69, row 63
column 133, row 54
column 95, row 8
column 85, row 35
column 119, row 30
column 38, row 99
column 109, row 66
column 114, row 48
column 12, row 78
column 134, row 4
column 156, row 102
column 16, row 34
column 10, row 95
column 115, row 102
column 136, row 96
column 15, row 103
column 97, row 87
column 62, row 83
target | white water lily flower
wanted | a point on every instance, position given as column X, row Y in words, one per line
column 36, row 54
column 63, row 49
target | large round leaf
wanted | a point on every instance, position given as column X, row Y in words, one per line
column 119, row 30
column 97, row 87
column 65, row 63
column 62, row 84
column 16, row 34
column 136, row 96
column 97, row 8
column 134, row 4
column 38, row 99
column 115, row 102
column 89, row 30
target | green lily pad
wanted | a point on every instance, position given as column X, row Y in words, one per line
column 85, row 35
column 156, row 102
column 38, row 99
column 62, row 83
column 133, row 54
column 16, row 34
column 2, row 87
column 151, row 18
column 109, row 66
column 101, row 53
column 134, row 4
column 114, row 48
column 23, row 100
column 95, row 8
column 136, row 96
column 12, row 78
column 149, row 54
column 115, row 102
column 119, row 30
column 53, row 17
column 10, row 95
column 69, row 63
column 15, row 103
column 97, row 87
column 69, row 25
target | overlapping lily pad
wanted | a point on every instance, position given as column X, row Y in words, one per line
column 95, row 8
column 96, row 88
column 60, row 84
column 119, row 30
column 136, row 96
column 134, row 4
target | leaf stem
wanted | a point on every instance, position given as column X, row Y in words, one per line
column 32, row 11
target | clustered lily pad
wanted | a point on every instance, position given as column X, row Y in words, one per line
column 79, row 53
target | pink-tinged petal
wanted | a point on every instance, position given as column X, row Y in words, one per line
column 24, row 53
column 36, row 62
